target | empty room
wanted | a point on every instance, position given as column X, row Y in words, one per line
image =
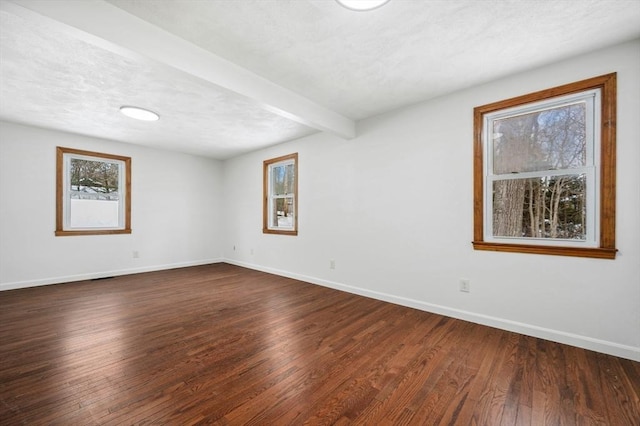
column 288, row 212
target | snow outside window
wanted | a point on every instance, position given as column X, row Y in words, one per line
column 93, row 193
column 280, row 214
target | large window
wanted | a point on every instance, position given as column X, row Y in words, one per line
column 280, row 211
column 544, row 171
column 93, row 193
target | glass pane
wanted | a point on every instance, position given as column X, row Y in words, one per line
column 551, row 139
column 547, row 207
column 283, row 213
column 94, row 194
column 282, row 179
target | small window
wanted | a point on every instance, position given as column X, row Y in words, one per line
column 280, row 211
column 93, row 193
column 544, row 171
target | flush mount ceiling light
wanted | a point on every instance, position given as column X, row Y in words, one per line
column 362, row 5
column 139, row 113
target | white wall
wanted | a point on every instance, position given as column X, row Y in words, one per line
column 393, row 208
column 175, row 212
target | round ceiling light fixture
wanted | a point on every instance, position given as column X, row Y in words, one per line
column 139, row 113
column 362, row 5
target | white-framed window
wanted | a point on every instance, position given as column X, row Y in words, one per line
column 540, row 179
column 93, row 193
column 280, row 209
column 544, row 171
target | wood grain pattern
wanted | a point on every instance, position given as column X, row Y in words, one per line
column 219, row 344
column 60, row 170
column 608, row 85
column 265, row 195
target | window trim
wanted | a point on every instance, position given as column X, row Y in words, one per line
column 591, row 100
column 267, row 165
column 607, row 170
column 60, row 193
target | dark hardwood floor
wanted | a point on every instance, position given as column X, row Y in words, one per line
column 220, row 344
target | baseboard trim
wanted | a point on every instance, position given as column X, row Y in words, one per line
column 104, row 274
column 585, row 342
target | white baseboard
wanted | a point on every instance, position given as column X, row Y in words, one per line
column 597, row 345
column 104, row 274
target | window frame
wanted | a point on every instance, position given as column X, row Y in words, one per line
column 62, row 204
column 592, row 102
column 605, row 171
column 268, row 197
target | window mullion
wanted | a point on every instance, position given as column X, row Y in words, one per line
column 280, row 210
column 565, row 125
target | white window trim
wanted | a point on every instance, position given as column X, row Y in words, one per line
column 270, row 198
column 592, row 99
column 63, row 198
column 66, row 225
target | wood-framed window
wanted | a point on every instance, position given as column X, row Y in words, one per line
column 545, row 169
column 93, row 193
column 280, row 200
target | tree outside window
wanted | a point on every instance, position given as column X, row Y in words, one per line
column 545, row 172
column 93, row 193
column 280, row 181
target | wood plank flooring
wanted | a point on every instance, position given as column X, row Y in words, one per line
column 219, row 344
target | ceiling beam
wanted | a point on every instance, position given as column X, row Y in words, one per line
column 104, row 25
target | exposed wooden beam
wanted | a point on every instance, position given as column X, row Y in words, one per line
column 109, row 27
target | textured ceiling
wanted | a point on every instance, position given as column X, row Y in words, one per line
column 232, row 76
column 362, row 64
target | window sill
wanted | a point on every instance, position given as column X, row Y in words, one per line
column 598, row 252
column 93, row 232
column 278, row 231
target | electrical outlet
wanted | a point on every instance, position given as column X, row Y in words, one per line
column 465, row 285
column 234, row 248
column 332, row 264
column 251, row 251
column 135, row 254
